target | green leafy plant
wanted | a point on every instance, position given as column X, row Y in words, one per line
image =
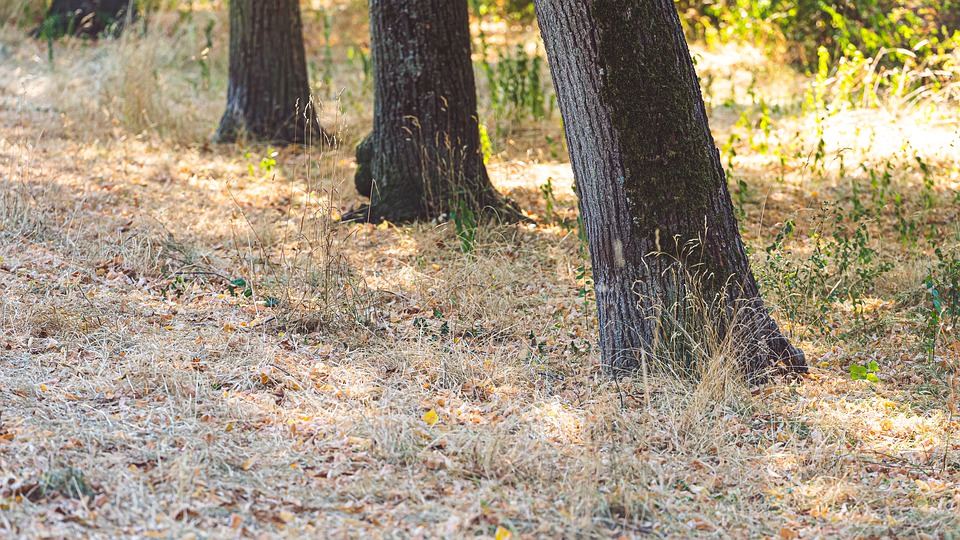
column 866, row 372
column 357, row 53
column 176, row 287
column 266, row 165
column 942, row 286
column 205, row 74
column 517, row 89
column 239, row 287
column 485, row 145
column 269, row 162
column 843, row 265
column 465, row 221
column 549, row 198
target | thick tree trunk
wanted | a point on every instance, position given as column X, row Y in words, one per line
column 268, row 95
column 653, row 196
column 423, row 157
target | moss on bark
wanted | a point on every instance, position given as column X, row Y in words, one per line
column 669, row 170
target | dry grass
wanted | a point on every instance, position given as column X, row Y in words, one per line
column 142, row 394
column 19, row 12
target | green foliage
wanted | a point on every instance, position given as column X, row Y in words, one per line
column 266, row 165
column 842, row 267
column 549, row 198
column 239, row 287
column 942, row 308
column 465, row 221
column 269, row 163
column 485, row 145
column 516, row 87
column 358, row 53
column 176, row 287
column 800, row 27
column 865, row 373
column 205, row 74
column 511, row 10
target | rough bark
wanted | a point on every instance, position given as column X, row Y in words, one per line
column 268, row 93
column 654, row 200
column 423, row 157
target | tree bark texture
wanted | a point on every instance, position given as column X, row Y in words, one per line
column 423, row 156
column 268, row 93
column 654, row 200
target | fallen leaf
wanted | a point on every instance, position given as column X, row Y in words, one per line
column 788, row 534
column 502, row 534
column 431, row 417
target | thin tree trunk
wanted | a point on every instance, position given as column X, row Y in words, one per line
column 423, row 157
column 653, row 196
column 268, row 96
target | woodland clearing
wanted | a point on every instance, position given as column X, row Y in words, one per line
column 192, row 346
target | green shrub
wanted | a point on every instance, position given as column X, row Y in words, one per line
column 800, row 27
column 516, row 10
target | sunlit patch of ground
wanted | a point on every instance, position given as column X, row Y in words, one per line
column 190, row 345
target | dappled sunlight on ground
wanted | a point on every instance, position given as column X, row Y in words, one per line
column 190, row 334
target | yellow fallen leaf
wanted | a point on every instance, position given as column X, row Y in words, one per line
column 431, row 417
column 503, row 534
column 886, row 424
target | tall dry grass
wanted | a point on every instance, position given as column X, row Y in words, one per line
column 159, row 79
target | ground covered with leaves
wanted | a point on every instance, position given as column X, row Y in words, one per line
column 191, row 345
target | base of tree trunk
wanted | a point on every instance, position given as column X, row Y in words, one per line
column 291, row 130
column 485, row 202
column 363, row 178
column 85, row 18
column 767, row 351
column 499, row 210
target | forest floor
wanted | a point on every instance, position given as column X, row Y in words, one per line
column 192, row 347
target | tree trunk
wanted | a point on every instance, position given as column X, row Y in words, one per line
column 654, row 200
column 268, row 95
column 86, row 18
column 423, row 157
